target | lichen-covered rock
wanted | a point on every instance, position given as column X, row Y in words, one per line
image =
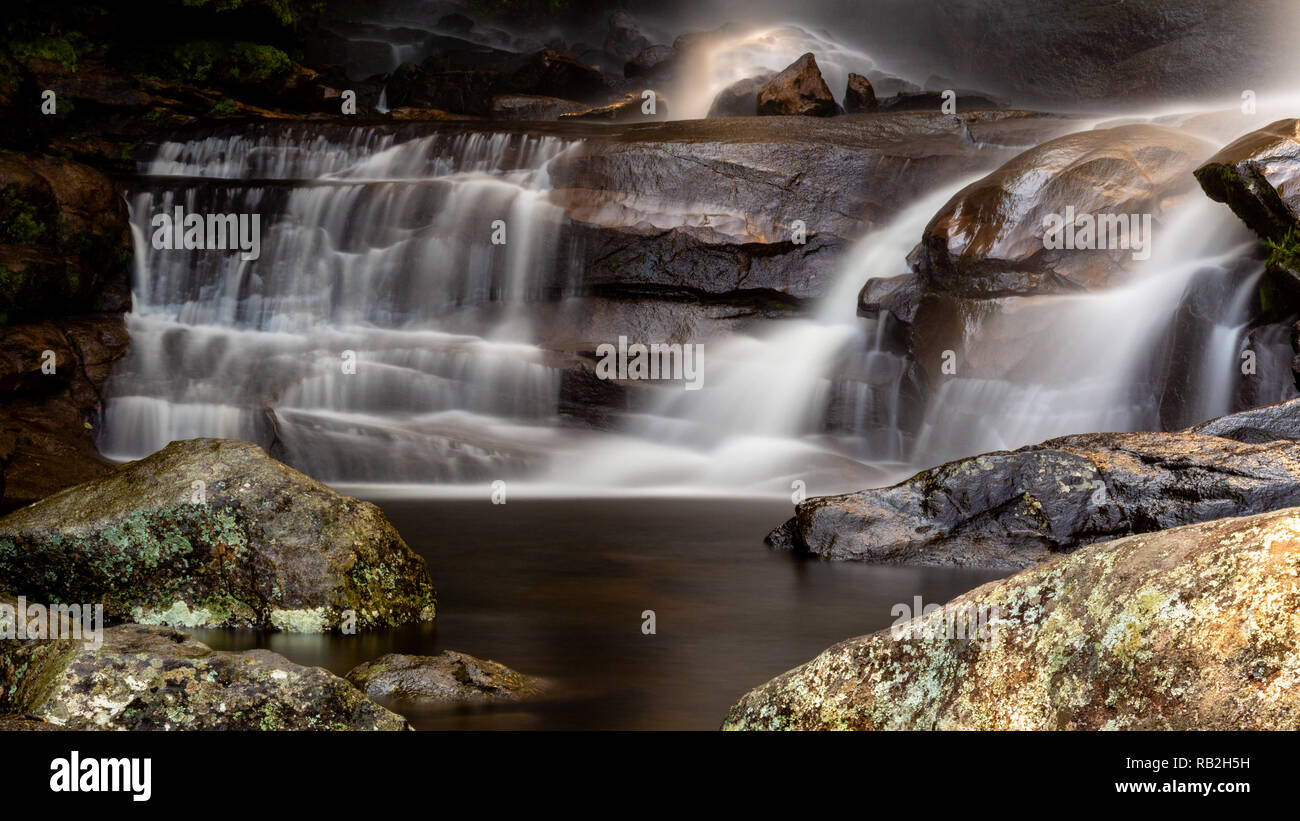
column 1014, row 509
column 1191, row 628
column 449, row 677
column 155, row 678
column 210, row 532
column 29, row 667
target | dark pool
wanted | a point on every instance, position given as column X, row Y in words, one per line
column 557, row 589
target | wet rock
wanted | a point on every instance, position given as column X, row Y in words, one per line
column 1256, row 176
column 798, row 89
column 1012, row 509
column 1190, row 628
column 155, row 678
column 449, row 677
column 897, row 295
column 533, row 107
column 627, row 109
column 989, row 240
column 650, row 61
column 859, row 96
column 740, row 99
column 210, row 532
column 1266, row 424
column 708, row 206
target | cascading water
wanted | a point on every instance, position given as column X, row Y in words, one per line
column 332, row 347
column 381, row 337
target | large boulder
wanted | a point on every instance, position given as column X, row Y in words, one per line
column 448, row 678
column 1190, row 628
column 155, row 678
column 709, row 206
column 798, row 89
column 211, row 532
column 1013, row 509
column 1258, row 176
column 740, row 99
column 991, row 238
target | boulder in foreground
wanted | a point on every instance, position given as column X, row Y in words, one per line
column 1190, row 628
column 154, row 678
column 211, row 532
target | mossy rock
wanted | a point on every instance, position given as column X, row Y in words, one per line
column 155, row 678
column 211, row 532
column 1190, row 628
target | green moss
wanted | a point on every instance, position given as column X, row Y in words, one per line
column 213, row 61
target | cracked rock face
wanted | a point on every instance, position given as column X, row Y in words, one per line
column 1190, row 628
column 211, row 532
column 449, row 677
column 155, row 678
column 1014, row 509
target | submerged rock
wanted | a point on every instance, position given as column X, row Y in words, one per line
column 155, row 678
column 449, row 677
column 1014, row 509
column 210, row 532
column 799, row 89
column 1190, row 628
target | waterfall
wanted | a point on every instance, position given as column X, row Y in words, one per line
column 1105, row 363
column 335, row 347
column 382, row 338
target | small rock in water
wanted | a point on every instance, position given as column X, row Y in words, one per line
column 449, row 677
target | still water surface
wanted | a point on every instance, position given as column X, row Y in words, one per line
column 557, row 588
